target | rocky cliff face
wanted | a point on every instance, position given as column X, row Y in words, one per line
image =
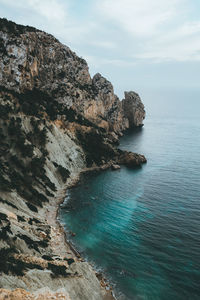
column 34, row 59
column 55, row 121
column 133, row 109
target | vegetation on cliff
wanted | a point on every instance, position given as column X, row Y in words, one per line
column 55, row 121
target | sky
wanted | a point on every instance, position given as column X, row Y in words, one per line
column 136, row 44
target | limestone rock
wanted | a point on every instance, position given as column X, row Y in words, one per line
column 131, row 160
column 115, row 167
column 55, row 122
column 133, row 109
column 21, row 294
column 32, row 59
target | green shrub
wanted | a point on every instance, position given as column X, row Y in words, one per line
column 15, row 128
column 63, row 172
column 16, row 179
column 32, row 207
column 42, row 137
column 37, row 165
column 26, row 149
column 4, row 184
column 5, row 110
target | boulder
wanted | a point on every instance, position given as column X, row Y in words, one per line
column 131, row 160
column 115, row 167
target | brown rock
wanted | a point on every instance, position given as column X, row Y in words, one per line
column 133, row 109
column 132, row 160
column 21, row 294
column 39, row 60
column 115, row 167
column 43, row 235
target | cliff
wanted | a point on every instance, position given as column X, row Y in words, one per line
column 35, row 59
column 55, row 122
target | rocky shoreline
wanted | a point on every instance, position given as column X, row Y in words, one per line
column 53, row 220
column 56, row 123
column 55, row 216
column 60, row 247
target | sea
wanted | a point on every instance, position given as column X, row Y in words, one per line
column 141, row 227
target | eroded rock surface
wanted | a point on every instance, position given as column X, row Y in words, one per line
column 20, row 294
column 56, row 121
column 133, row 109
column 34, row 59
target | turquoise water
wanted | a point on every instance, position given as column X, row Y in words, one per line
column 142, row 227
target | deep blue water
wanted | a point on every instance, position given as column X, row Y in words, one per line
column 142, row 227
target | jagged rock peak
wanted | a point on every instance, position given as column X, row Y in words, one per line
column 133, row 109
column 101, row 83
column 10, row 27
column 32, row 59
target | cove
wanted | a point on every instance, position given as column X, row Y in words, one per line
column 141, row 227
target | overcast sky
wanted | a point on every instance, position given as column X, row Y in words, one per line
column 136, row 44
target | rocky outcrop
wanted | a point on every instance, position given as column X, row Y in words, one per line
column 130, row 159
column 21, row 294
column 55, row 122
column 133, row 109
column 32, row 59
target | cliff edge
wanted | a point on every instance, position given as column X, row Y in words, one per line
column 56, row 121
column 32, row 59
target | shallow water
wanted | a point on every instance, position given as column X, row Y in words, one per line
column 141, row 227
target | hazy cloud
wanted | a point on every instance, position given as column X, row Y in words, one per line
column 162, row 29
column 140, row 17
column 49, row 9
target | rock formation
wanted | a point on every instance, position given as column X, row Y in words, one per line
column 34, row 59
column 55, row 121
column 133, row 109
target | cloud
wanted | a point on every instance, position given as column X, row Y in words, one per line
column 49, row 9
column 103, row 44
column 156, row 31
column 53, row 16
column 181, row 44
column 140, row 17
column 121, row 32
column 114, row 62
